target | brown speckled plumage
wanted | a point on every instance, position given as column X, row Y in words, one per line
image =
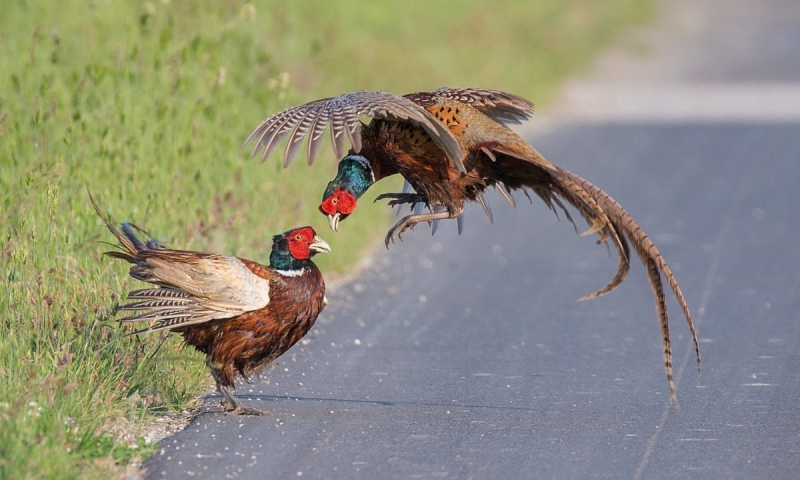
column 242, row 315
column 414, row 136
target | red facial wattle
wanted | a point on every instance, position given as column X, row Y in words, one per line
column 338, row 202
column 299, row 241
column 328, row 207
column 347, row 203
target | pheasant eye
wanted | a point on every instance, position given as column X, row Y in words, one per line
column 334, row 200
column 298, row 237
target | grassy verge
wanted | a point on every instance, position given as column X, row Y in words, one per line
column 147, row 104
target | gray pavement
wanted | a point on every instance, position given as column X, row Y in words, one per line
column 468, row 357
column 705, row 61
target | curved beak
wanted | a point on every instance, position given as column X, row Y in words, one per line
column 333, row 220
column 319, row 246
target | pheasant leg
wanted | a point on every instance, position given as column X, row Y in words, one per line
column 411, row 220
column 230, row 401
column 233, row 406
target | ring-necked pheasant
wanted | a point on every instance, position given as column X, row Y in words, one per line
column 239, row 313
column 450, row 145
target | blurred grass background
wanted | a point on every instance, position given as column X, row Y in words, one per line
column 147, row 104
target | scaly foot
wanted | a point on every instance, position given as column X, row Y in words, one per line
column 242, row 410
column 403, row 198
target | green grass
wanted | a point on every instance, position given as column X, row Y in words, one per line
column 146, row 104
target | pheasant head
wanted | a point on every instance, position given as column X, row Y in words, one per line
column 355, row 176
column 292, row 250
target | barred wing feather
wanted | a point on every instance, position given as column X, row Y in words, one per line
column 193, row 290
column 342, row 114
column 499, row 106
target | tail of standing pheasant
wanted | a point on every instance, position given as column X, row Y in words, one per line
column 166, row 306
column 608, row 219
column 127, row 238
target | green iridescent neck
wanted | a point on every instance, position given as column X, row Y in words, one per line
column 281, row 259
column 355, row 176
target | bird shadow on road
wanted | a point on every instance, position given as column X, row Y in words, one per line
column 384, row 403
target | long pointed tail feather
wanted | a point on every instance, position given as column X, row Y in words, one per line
column 584, row 196
column 620, row 225
column 127, row 237
column 123, row 239
column 127, row 229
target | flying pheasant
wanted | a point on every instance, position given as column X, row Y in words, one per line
column 239, row 313
column 450, row 145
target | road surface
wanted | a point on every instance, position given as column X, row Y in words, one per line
column 468, row 357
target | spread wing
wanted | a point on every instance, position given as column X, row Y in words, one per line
column 499, row 106
column 194, row 288
column 342, row 113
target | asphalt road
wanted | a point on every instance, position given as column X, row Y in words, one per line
column 468, row 357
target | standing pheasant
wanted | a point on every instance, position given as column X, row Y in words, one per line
column 450, row 145
column 239, row 313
